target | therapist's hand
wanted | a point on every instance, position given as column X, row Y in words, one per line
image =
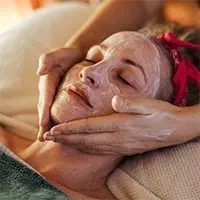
column 140, row 125
column 52, row 66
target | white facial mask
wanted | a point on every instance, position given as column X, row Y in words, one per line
column 156, row 61
column 108, row 89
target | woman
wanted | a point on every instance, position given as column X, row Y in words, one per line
column 116, row 66
column 99, row 26
column 128, row 17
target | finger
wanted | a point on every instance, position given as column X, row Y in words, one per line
column 47, row 86
column 109, row 123
column 48, row 137
column 105, row 143
column 88, row 142
column 62, row 58
column 47, row 92
column 81, row 146
column 140, row 105
column 86, row 139
column 42, row 130
column 50, row 60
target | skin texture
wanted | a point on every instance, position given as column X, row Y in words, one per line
column 126, row 64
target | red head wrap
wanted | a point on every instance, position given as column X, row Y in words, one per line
column 185, row 71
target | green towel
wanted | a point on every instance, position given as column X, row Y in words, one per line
column 19, row 182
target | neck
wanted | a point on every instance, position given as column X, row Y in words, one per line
column 67, row 168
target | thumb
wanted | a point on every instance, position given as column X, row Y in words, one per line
column 140, row 105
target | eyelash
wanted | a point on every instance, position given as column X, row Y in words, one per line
column 127, row 61
column 123, row 80
column 91, row 61
column 130, row 62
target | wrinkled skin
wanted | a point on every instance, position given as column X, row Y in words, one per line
column 125, row 64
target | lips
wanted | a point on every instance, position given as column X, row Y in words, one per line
column 81, row 94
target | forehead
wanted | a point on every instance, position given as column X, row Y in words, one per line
column 132, row 44
column 127, row 39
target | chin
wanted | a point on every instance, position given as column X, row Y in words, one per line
column 66, row 113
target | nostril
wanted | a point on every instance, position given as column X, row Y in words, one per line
column 81, row 75
column 91, row 80
column 87, row 79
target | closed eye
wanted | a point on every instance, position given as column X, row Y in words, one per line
column 124, row 80
column 130, row 62
column 91, row 61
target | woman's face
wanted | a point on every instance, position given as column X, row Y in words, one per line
column 126, row 63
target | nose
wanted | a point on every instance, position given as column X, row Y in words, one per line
column 89, row 77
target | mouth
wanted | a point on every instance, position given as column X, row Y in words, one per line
column 81, row 94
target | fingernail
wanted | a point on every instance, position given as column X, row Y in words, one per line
column 40, row 138
column 56, row 133
column 117, row 103
column 49, row 137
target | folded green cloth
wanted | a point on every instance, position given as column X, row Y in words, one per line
column 19, row 182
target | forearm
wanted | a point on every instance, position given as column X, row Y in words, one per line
column 114, row 16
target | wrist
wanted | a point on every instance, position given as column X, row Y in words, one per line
column 186, row 124
column 78, row 44
column 191, row 116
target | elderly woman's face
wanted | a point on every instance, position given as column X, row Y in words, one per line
column 126, row 63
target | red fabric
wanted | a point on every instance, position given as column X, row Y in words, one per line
column 185, row 71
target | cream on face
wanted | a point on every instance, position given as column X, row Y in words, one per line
column 126, row 63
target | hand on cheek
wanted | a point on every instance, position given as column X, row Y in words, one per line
column 140, row 125
column 52, row 66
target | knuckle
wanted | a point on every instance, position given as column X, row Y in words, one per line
column 63, row 49
column 46, row 58
column 57, row 138
column 83, row 142
column 90, row 149
column 87, row 126
column 68, row 127
column 43, row 57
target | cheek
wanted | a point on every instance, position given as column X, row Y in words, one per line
column 129, row 91
column 102, row 97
